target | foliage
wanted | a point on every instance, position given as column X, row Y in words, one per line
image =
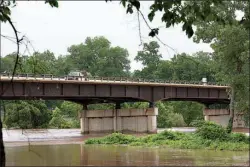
column 211, row 131
column 197, row 123
column 188, row 13
column 70, row 109
column 26, row 114
column 231, row 50
column 235, row 142
column 57, row 120
column 100, row 59
column 167, row 118
column 239, row 137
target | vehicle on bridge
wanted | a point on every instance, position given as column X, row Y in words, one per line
column 77, row 75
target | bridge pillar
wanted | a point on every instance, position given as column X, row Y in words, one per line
column 219, row 116
column 84, row 121
column 119, row 120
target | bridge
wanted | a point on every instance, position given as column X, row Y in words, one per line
column 116, row 90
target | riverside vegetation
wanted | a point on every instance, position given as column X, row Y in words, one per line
column 208, row 136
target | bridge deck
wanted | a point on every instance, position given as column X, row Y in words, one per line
column 110, row 82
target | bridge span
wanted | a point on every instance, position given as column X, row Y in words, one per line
column 116, row 90
column 112, row 90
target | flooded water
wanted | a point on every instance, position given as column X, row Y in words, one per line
column 57, row 147
column 80, row 154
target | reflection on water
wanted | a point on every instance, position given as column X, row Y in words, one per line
column 79, row 154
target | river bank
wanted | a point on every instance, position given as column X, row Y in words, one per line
column 18, row 137
column 59, row 147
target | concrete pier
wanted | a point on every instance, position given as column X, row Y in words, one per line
column 119, row 120
column 222, row 116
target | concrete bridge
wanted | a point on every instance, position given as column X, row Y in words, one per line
column 111, row 90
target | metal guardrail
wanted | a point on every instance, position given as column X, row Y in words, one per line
column 106, row 79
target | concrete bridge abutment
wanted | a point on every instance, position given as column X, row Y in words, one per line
column 222, row 116
column 119, row 120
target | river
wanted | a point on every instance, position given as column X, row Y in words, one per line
column 59, row 148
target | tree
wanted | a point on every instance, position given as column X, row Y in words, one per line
column 150, row 58
column 188, row 12
column 70, row 109
column 100, row 59
column 27, row 114
column 231, row 49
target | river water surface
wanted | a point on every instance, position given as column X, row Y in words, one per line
column 73, row 152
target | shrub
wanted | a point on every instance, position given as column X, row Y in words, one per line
column 168, row 135
column 176, row 120
column 93, row 141
column 114, row 138
column 212, row 131
column 75, row 124
column 197, row 123
column 238, row 137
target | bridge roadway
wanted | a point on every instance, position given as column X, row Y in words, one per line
column 103, row 90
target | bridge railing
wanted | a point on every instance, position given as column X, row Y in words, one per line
column 103, row 79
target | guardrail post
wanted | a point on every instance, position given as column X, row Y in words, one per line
column 51, row 77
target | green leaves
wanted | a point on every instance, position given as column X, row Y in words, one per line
column 151, row 16
column 130, row 5
column 53, row 3
column 154, row 32
column 189, row 13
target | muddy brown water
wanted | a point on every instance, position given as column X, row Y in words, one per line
column 64, row 151
column 80, row 154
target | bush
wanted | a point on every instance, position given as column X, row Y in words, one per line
column 197, row 123
column 114, row 138
column 75, row 124
column 212, row 131
column 238, row 137
column 93, row 141
column 174, row 140
column 118, row 138
column 176, row 120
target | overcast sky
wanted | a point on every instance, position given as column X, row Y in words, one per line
column 58, row 28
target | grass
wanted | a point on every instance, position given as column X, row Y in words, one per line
column 208, row 136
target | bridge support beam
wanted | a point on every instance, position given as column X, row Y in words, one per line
column 119, row 120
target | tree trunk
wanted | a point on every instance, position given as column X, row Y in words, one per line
column 2, row 152
column 231, row 120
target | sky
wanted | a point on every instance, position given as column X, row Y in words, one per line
column 56, row 29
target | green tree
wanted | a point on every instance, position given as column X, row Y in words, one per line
column 26, row 114
column 150, row 58
column 70, row 109
column 100, row 59
column 231, row 49
column 188, row 13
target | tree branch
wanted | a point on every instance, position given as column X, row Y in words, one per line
column 139, row 27
column 155, row 34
